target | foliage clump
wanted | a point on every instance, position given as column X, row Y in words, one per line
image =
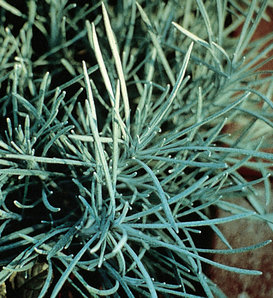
column 113, row 143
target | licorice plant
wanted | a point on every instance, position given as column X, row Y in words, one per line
column 113, row 143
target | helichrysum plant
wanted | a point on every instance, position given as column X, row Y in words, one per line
column 113, row 143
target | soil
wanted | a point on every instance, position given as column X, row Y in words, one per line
column 240, row 233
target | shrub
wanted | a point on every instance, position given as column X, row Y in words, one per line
column 108, row 195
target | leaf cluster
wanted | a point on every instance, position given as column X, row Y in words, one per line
column 113, row 143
